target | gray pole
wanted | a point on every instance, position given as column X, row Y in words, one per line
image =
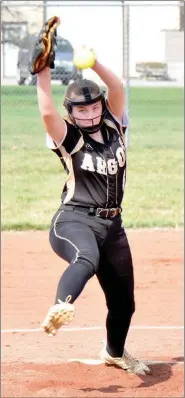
column 123, row 39
column 126, row 61
column 44, row 11
column 128, row 70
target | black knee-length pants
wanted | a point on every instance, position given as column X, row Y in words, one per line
column 96, row 246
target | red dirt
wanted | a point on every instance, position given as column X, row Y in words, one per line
column 34, row 365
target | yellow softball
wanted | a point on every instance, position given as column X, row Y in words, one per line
column 84, row 57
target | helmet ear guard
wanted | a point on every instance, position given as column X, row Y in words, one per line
column 68, row 106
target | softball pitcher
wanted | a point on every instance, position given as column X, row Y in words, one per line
column 87, row 229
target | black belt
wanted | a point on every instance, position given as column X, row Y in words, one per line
column 99, row 212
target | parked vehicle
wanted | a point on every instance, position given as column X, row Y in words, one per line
column 64, row 70
column 156, row 70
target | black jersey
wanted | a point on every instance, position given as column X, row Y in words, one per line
column 96, row 172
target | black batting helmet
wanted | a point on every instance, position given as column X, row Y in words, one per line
column 84, row 92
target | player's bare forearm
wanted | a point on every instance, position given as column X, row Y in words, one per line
column 108, row 76
column 115, row 97
column 54, row 124
column 44, row 92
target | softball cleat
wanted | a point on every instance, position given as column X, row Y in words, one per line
column 126, row 362
column 58, row 315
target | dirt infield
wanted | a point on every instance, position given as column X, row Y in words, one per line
column 34, row 365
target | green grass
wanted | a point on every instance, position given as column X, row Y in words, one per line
column 32, row 176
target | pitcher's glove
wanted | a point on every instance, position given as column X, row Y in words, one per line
column 43, row 53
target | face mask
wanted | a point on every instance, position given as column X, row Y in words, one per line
column 90, row 129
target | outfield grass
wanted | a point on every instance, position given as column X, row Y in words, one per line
column 32, row 176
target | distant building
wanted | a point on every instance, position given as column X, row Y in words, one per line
column 174, row 54
column 16, row 21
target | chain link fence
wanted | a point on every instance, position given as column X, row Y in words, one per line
column 143, row 42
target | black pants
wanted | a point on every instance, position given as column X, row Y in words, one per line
column 92, row 245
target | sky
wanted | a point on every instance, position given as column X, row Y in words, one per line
column 101, row 27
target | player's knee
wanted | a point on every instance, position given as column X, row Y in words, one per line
column 90, row 263
column 122, row 308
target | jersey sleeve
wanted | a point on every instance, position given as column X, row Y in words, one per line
column 119, row 124
column 72, row 142
column 124, row 122
column 125, row 119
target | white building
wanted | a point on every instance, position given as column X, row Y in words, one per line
column 17, row 18
column 174, row 53
column 101, row 27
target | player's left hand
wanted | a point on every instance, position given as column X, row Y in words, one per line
column 84, row 58
column 43, row 53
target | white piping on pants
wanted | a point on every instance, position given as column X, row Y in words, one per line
column 60, row 237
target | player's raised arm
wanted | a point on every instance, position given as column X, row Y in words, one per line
column 54, row 124
column 115, row 97
column 42, row 60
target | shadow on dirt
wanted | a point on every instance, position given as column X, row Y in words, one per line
column 109, row 389
column 159, row 374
